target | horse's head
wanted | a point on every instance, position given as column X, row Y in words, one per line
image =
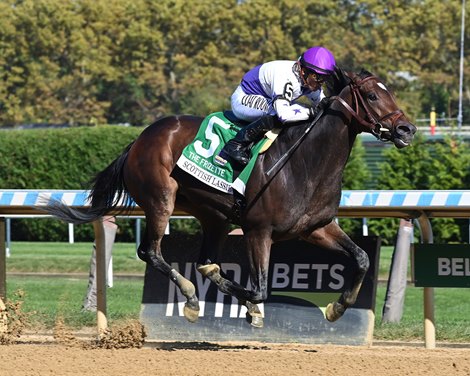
column 375, row 108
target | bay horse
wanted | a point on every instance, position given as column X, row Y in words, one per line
column 299, row 200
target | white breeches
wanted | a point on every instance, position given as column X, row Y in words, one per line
column 250, row 107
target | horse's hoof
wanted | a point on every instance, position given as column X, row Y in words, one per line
column 257, row 321
column 255, row 318
column 191, row 314
column 334, row 311
column 329, row 312
column 253, row 314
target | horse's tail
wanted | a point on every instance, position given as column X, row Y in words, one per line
column 107, row 192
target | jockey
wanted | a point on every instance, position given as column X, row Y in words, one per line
column 270, row 89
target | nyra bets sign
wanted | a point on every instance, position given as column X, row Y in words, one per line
column 303, row 279
column 442, row 265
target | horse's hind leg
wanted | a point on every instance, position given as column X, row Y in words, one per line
column 150, row 252
column 332, row 237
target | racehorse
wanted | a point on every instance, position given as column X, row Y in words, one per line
column 299, row 199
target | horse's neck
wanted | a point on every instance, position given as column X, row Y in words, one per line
column 328, row 145
column 323, row 153
column 335, row 136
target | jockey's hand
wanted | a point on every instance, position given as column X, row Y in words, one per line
column 320, row 106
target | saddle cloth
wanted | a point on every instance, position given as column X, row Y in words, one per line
column 198, row 158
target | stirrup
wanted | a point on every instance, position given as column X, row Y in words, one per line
column 221, row 161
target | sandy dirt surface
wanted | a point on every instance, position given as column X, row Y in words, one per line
column 207, row 359
column 123, row 350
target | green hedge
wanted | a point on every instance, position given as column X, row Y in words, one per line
column 65, row 158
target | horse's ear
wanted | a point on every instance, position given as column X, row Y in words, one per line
column 364, row 73
column 339, row 80
column 343, row 76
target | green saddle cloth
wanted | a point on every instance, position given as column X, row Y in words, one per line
column 198, row 158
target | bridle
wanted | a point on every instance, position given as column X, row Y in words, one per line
column 371, row 122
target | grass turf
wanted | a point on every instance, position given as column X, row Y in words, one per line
column 49, row 299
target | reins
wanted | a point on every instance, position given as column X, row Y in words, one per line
column 284, row 158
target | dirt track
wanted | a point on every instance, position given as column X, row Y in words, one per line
column 233, row 359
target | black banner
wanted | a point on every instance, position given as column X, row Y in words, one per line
column 303, row 279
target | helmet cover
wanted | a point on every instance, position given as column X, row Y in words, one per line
column 318, row 59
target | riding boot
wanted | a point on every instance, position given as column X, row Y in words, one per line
column 238, row 148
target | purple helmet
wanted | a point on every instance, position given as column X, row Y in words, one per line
column 318, row 59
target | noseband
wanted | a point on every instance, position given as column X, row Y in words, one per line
column 371, row 122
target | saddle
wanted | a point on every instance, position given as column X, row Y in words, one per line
column 198, row 157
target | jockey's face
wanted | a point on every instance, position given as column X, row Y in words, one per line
column 312, row 80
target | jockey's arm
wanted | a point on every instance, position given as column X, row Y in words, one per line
column 288, row 112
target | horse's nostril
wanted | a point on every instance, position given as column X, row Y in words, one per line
column 406, row 129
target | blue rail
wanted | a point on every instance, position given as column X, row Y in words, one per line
column 401, row 204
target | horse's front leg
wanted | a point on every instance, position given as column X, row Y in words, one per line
column 232, row 288
column 332, row 237
column 209, row 269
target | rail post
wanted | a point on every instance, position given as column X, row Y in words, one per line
column 428, row 292
column 3, row 259
column 101, row 320
column 3, row 278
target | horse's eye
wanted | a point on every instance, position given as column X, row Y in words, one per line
column 372, row 96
